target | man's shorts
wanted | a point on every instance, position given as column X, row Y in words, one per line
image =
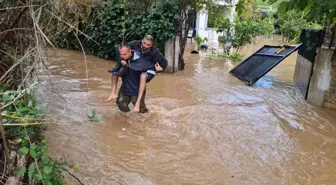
column 150, row 75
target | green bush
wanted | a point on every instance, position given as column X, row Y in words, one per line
column 104, row 26
column 105, row 21
column 23, row 120
column 246, row 30
column 293, row 22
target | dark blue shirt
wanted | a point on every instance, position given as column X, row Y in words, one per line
column 131, row 79
column 130, row 83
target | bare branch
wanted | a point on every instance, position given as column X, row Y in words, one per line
column 15, row 29
column 71, row 26
column 86, row 65
column 27, row 54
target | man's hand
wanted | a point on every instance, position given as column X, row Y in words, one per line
column 123, row 62
column 158, row 68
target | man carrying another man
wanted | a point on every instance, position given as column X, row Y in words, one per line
column 136, row 67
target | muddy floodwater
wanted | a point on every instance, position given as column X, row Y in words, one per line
column 204, row 126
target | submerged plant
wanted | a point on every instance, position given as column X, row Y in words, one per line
column 94, row 117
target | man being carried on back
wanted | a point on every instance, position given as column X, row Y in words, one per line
column 145, row 59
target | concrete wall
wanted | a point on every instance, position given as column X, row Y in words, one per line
column 322, row 86
column 330, row 95
column 171, row 54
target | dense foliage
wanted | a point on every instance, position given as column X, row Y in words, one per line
column 107, row 24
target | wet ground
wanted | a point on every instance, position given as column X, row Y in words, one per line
column 204, row 126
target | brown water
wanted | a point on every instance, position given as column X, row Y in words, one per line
column 204, row 126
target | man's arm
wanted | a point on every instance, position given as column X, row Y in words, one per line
column 161, row 60
column 117, row 56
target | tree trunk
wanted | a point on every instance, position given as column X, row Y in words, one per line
column 182, row 32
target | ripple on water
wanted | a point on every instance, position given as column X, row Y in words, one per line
column 212, row 130
column 234, row 99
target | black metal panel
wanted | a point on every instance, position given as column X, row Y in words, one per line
column 311, row 40
column 261, row 62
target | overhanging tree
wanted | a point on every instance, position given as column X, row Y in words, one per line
column 322, row 12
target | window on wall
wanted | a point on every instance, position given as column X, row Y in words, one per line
column 215, row 14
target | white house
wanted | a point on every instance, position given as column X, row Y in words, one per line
column 202, row 28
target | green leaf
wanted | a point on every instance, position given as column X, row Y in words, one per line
column 334, row 19
column 33, row 153
column 6, row 97
column 12, row 92
column 46, row 177
column 99, row 118
column 33, row 146
column 30, row 104
column 31, row 171
column 17, row 141
column 38, row 177
column 24, row 150
column 25, row 142
column 48, row 169
column 283, row 7
column 44, row 149
column 21, row 171
column 23, row 110
column 45, row 158
column 93, row 112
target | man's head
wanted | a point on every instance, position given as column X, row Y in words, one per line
column 147, row 42
column 125, row 52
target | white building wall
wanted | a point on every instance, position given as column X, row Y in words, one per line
column 202, row 29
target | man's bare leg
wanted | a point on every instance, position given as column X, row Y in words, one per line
column 114, row 94
column 142, row 88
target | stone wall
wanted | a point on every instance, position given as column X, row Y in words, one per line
column 330, row 95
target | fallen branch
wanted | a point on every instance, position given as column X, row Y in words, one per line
column 74, row 176
column 15, row 29
column 23, row 124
